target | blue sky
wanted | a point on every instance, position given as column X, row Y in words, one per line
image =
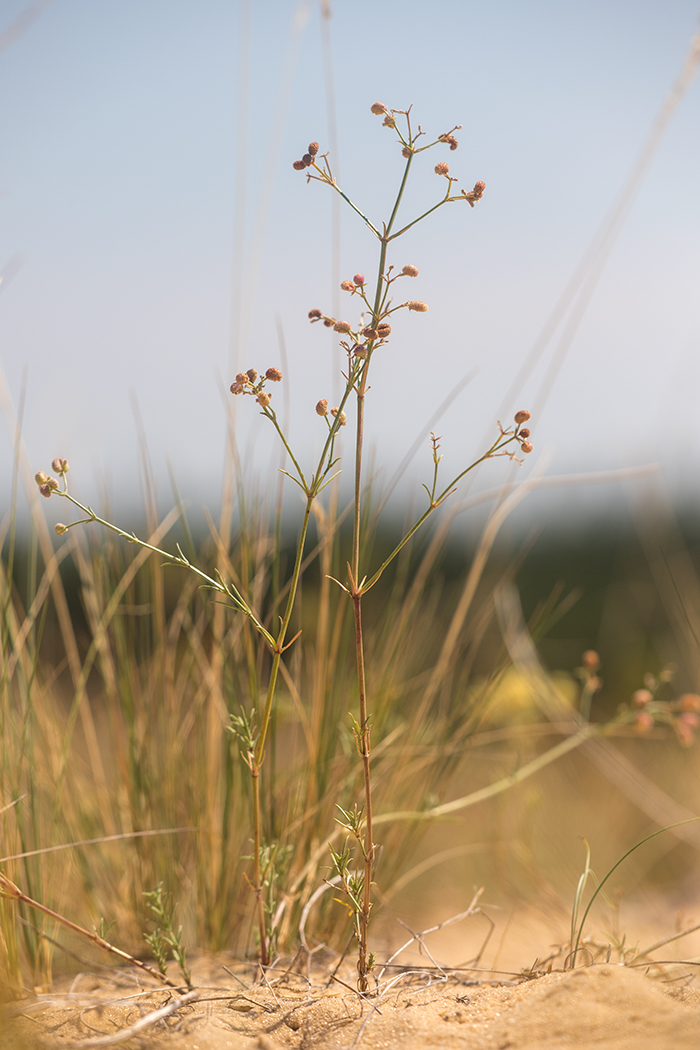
column 154, row 233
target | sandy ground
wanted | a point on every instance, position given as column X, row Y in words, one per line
column 607, row 1007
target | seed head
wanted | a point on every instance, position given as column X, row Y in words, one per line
column 359, row 279
column 322, row 407
column 241, row 378
column 442, row 168
column 315, row 315
column 476, row 194
column 378, row 108
column 274, row 375
column 263, row 398
column 60, row 466
column 307, row 160
column 522, row 416
column 329, row 321
column 298, row 165
column 389, row 121
column 641, row 697
column 342, row 326
column 41, row 478
column 60, row 528
column 370, row 333
column 449, row 138
column 252, row 374
column 347, row 286
column 418, row 307
column 53, row 484
column 360, row 350
column 384, row 331
column 406, row 152
column 524, row 433
column 313, row 148
column 591, row 660
column 409, row 270
column 45, row 490
column 527, row 446
column 342, row 418
column 236, row 388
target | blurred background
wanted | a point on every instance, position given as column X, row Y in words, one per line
column 156, row 238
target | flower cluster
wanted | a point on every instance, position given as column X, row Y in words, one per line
column 308, row 159
column 250, row 383
column 449, row 138
column 47, row 484
column 518, row 433
column 474, row 195
column 367, row 336
column 647, row 710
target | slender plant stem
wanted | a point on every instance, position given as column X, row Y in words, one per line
column 10, row 890
column 356, row 584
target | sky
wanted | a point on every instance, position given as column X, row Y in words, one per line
column 155, row 237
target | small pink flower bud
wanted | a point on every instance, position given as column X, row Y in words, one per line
column 274, row 375
column 322, row 407
column 591, row 660
column 315, row 315
column 359, row 279
column 53, row 484
column 41, row 478
column 641, row 697
column 313, row 148
column 45, row 490
column 60, row 466
column 378, row 108
column 643, row 721
column 522, row 416
column 342, row 417
column 252, row 374
column 685, row 726
column 360, row 350
column 236, row 388
column 60, row 528
column 342, row 326
column 409, row 270
column 347, row 286
column 418, row 307
column 263, row 399
column 442, row 168
column 242, row 378
column 527, row 446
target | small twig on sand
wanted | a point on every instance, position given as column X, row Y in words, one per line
column 144, row 1022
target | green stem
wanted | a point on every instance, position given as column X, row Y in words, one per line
column 434, row 504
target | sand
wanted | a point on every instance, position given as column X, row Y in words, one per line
column 607, row 1007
